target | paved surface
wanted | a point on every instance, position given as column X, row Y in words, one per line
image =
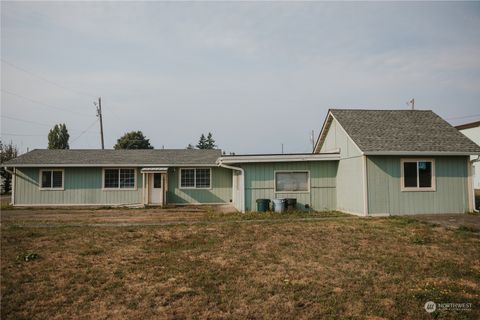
column 452, row 220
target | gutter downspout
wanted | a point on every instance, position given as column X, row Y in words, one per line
column 470, row 176
column 242, row 183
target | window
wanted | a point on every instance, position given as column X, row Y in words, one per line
column 157, row 180
column 292, row 181
column 417, row 175
column 51, row 179
column 119, row 178
column 195, row 178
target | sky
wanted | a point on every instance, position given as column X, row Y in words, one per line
column 255, row 74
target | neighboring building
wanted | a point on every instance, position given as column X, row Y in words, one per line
column 472, row 131
column 365, row 162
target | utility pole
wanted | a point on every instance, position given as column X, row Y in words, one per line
column 99, row 115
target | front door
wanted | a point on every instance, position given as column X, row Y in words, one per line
column 156, row 188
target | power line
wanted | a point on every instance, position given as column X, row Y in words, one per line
column 21, row 135
column 47, row 80
column 44, row 104
column 33, row 122
column 470, row 116
column 84, row 131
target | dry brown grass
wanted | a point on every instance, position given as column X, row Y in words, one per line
column 345, row 268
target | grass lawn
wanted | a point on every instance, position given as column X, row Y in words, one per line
column 274, row 269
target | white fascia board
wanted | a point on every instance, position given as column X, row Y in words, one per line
column 279, row 158
column 419, row 153
column 102, row 165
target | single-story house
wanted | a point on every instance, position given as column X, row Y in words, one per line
column 365, row 162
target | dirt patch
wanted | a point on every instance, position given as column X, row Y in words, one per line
column 465, row 222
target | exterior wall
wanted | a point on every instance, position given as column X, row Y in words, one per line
column 259, row 184
column 385, row 196
column 474, row 135
column 350, row 196
column 349, row 191
column 81, row 186
column 221, row 191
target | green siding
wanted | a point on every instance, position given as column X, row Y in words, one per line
column 259, row 183
column 82, row 186
column 385, row 195
column 221, row 191
column 337, row 138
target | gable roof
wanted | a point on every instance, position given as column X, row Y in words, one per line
column 151, row 157
column 399, row 132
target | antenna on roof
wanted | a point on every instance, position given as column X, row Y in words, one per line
column 412, row 102
column 312, row 139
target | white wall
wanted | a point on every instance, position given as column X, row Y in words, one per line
column 474, row 135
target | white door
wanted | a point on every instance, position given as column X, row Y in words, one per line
column 156, row 188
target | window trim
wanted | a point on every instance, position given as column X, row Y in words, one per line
column 194, row 180
column 290, row 171
column 51, row 188
column 418, row 188
column 118, row 188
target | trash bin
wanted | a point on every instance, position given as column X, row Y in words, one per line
column 291, row 204
column 263, row 205
column 279, row 205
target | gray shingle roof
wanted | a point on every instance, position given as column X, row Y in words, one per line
column 80, row 157
column 402, row 130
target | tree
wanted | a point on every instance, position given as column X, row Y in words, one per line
column 190, row 147
column 210, row 141
column 7, row 152
column 58, row 137
column 202, row 143
column 206, row 143
column 133, row 140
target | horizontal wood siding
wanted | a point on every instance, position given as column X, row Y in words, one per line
column 221, row 191
column 385, row 195
column 82, row 186
column 259, row 184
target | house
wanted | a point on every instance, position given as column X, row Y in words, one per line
column 472, row 131
column 365, row 162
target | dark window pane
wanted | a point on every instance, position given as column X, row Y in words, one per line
column 127, row 178
column 57, row 179
column 111, row 178
column 157, row 180
column 410, row 174
column 425, row 174
column 202, row 178
column 187, row 178
column 46, row 179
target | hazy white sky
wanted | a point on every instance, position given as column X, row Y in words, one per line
column 255, row 74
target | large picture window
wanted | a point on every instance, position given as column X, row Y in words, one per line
column 119, row 178
column 195, row 178
column 418, row 175
column 292, row 181
column 51, row 179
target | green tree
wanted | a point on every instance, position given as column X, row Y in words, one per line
column 133, row 140
column 202, row 143
column 58, row 137
column 7, row 152
column 190, row 147
column 210, row 142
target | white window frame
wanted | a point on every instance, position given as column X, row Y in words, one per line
column 194, row 180
column 40, row 172
column 417, row 188
column 118, row 188
column 290, row 171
